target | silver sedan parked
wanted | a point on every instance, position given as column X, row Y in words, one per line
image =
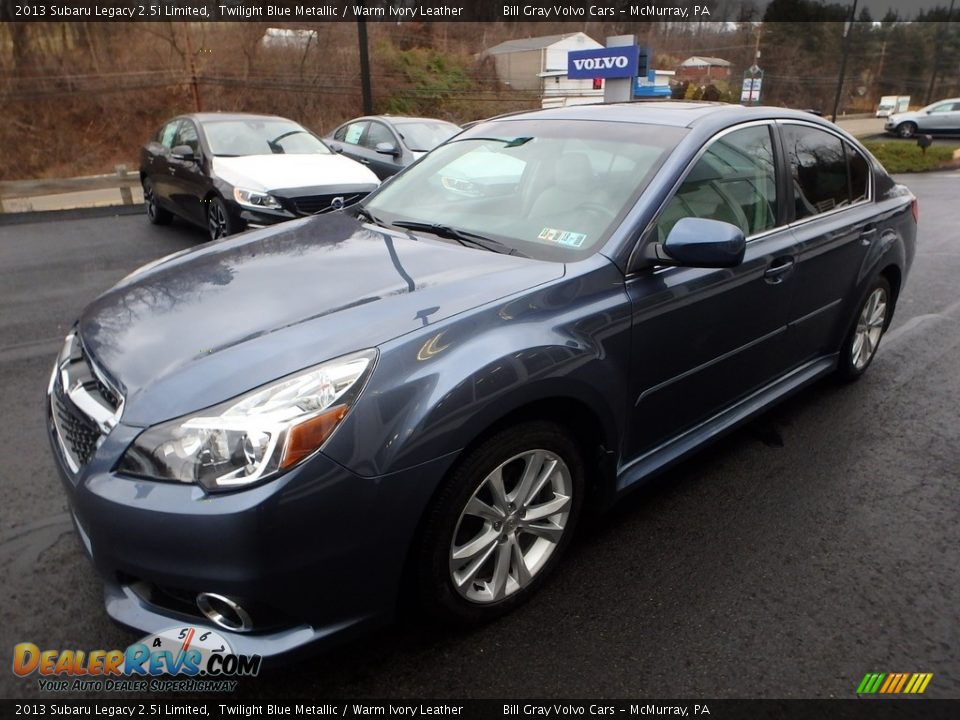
column 942, row 116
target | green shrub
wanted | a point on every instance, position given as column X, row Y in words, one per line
column 899, row 156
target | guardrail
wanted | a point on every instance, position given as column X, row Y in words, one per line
column 122, row 180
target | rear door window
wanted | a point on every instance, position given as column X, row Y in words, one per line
column 827, row 172
column 353, row 132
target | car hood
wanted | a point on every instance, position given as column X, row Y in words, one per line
column 204, row 325
column 274, row 172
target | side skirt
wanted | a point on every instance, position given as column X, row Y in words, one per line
column 713, row 428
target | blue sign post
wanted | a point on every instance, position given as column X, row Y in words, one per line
column 610, row 62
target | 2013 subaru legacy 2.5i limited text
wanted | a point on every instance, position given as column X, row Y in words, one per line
column 289, row 433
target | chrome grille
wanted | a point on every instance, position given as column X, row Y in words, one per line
column 312, row 204
column 78, row 436
column 84, row 407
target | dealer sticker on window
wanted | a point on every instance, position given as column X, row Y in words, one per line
column 562, row 237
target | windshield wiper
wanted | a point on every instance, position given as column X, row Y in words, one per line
column 464, row 237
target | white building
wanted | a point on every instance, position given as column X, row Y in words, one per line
column 540, row 63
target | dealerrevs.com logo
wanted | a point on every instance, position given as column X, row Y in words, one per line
column 185, row 659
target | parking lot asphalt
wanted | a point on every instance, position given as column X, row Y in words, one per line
column 818, row 543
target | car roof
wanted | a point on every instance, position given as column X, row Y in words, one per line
column 397, row 118
column 663, row 112
column 202, row 117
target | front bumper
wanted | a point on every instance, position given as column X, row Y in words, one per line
column 260, row 218
column 315, row 555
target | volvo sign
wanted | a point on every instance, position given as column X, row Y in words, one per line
column 610, row 62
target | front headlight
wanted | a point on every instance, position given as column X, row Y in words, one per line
column 256, row 436
column 255, row 199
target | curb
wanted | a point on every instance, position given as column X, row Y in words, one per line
column 35, row 216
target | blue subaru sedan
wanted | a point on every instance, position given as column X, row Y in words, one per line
column 287, row 434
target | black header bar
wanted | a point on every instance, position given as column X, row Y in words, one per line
column 507, row 709
column 574, row 11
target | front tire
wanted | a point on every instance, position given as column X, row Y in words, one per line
column 860, row 346
column 500, row 524
column 219, row 222
column 907, row 129
column 155, row 214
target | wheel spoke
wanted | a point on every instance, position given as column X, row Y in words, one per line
column 541, row 482
column 479, row 508
column 531, row 472
column 545, row 510
column 501, row 571
column 477, row 545
column 858, row 348
column 547, row 530
column 868, row 310
column 521, row 572
column 879, row 314
column 495, row 481
column 473, row 567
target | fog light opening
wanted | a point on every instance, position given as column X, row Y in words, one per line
column 224, row 612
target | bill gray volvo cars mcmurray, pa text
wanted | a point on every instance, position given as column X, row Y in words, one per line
column 288, row 433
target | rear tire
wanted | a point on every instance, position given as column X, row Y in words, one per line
column 499, row 524
column 870, row 322
column 907, row 129
column 155, row 214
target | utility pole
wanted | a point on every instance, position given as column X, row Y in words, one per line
column 364, row 66
column 938, row 48
column 193, row 68
column 843, row 60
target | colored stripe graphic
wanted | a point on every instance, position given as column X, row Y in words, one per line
column 894, row 683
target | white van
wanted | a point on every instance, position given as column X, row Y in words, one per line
column 890, row 104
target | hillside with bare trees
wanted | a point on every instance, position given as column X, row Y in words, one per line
column 81, row 97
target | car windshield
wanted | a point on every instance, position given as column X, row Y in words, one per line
column 261, row 136
column 425, row 135
column 553, row 189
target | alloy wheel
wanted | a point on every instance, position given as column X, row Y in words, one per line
column 870, row 324
column 150, row 200
column 510, row 526
column 907, row 130
column 216, row 220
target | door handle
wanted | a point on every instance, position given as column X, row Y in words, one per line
column 778, row 269
column 867, row 235
column 365, row 162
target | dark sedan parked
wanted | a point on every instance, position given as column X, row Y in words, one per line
column 287, row 433
column 387, row 144
column 228, row 172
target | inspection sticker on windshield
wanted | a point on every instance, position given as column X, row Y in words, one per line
column 562, row 237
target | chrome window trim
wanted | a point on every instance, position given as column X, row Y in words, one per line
column 769, row 123
column 757, row 236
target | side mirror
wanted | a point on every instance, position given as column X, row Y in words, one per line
column 387, row 148
column 698, row 242
column 183, row 153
